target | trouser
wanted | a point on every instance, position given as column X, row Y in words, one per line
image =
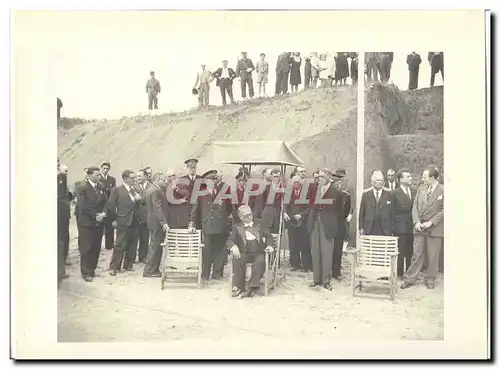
column 152, row 101
column 143, row 238
column 385, row 70
column 61, row 270
column 89, row 245
column 433, row 75
column 424, row 245
column 338, row 247
column 307, row 81
column 226, row 86
column 246, row 80
column 109, row 235
column 413, row 84
column 155, row 252
column 281, row 82
column 322, row 253
column 213, row 255
column 258, row 260
column 405, row 248
column 372, row 71
column 125, row 249
column 204, row 94
column 63, row 234
column 300, row 250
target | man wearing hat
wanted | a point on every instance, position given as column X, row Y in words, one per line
column 187, row 183
column 244, row 70
column 295, row 217
column 345, row 210
column 202, row 84
column 215, row 223
column 225, row 77
column 153, row 88
column 325, row 215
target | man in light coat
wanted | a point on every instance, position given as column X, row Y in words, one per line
column 202, row 84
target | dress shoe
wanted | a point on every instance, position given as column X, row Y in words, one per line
column 129, row 269
column 153, row 275
column 249, row 292
column 314, row 284
column 112, row 273
column 338, row 278
column 406, row 285
column 87, row 278
column 237, row 292
column 430, row 285
column 327, row 286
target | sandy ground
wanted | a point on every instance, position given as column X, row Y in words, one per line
column 129, row 308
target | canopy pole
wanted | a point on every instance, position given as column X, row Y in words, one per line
column 360, row 145
column 277, row 261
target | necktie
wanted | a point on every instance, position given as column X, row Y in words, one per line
column 377, row 195
column 408, row 193
column 429, row 193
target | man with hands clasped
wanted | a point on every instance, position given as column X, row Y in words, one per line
column 248, row 243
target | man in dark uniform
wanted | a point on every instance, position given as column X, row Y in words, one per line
column 345, row 211
column 123, row 206
column 109, row 182
column 91, row 197
column 215, row 225
column 142, row 187
column 376, row 211
column 187, row 183
column 157, row 205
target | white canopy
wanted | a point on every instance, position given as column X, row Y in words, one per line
column 255, row 153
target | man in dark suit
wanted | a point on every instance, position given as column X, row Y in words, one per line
column 157, row 220
column 428, row 229
column 224, row 80
column 142, row 187
column 345, row 210
column 295, row 216
column 244, row 70
column 376, row 211
column 187, row 183
column 214, row 215
column 63, row 209
column 436, row 61
column 384, row 66
column 109, row 182
column 282, row 73
column 269, row 203
column 59, row 107
column 324, row 218
column 413, row 60
column 248, row 243
column 91, row 197
column 123, row 206
column 404, row 196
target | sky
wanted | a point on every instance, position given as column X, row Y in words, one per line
column 109, row 82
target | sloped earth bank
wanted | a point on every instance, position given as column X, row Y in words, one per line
column 116, row 309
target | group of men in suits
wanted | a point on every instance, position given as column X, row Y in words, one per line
column 415, row 216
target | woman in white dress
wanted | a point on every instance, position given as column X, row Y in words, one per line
column 323, row 70
column 314, row 69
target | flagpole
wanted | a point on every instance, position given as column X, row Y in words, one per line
column 360, row 139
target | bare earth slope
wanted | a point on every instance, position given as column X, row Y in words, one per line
column 167, row 140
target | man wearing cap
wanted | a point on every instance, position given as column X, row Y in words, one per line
column 153, row 88
column 376, row 211
column 188, row 184
column 215, row 224
column 202, row 84
column 325, row 215
column 109, row 182
column 295, row 216
column 225, row 77
column 244, row 70
column 344, row 204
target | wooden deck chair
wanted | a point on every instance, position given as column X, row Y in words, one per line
column 182, row 254
column 374, row 262
column 270, row 258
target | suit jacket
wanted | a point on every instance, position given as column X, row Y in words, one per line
column 121, row 207
column 413, row 61
column 238, row 237
column 218, row 73
column 269, row 213
column 184, row 210
column 178, row 214
column 403, row 223
column 331, row 215
column 214, row 217
column 108, row 184
column 157, row 205
column 283, row 63
column 292, row 208
column 90, row 202
column 432, row 210
column 63, row 196
column 369, row 208
column 142, row 208
column 241, row 68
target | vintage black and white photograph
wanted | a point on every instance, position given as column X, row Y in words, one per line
column 232, row 194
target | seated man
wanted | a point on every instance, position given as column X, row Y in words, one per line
column 248, row 243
